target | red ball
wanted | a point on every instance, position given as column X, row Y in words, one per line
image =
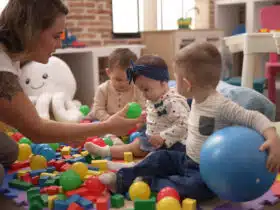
column 132, row 131
column 17, row 136
column 99, row 141
column 168, row 192
column 94, row 186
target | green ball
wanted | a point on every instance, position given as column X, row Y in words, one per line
column 70, row 180
column 134, row 110
column 54, row 146
column 25, row 140
column 85, row 110
column 108, row 141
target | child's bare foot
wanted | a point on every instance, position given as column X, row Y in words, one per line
column 115, row 166
column 110, row 180
column 96, row 150
column 116, row 140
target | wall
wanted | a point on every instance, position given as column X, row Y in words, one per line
column 91, row 22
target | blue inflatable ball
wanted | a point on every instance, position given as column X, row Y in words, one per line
column 133, row 136
column 48, row 153
column 232, row 165
column 38, row 147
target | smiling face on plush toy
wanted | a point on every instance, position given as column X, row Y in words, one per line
column 55, row 76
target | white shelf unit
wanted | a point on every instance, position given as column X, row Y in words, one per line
column 227, row 18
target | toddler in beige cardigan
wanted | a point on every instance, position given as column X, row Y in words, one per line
column 112, row 95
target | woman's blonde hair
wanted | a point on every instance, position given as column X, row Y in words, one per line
column 21, row 22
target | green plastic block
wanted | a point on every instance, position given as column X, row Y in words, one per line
column 154, row 195
column 117, row 201
column 61, row 197
column 36, row 202
column 21, row 185
column 50, row 182
column 145, row 204
column 33, row 191
column 56, row 180
column 45, row 200
column 88, row 158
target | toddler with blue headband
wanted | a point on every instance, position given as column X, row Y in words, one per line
column 167, row 113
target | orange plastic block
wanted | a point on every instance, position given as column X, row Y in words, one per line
column 74, row 206
column 102, row 203
column 80, row 191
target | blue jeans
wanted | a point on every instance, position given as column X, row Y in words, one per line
column 147, row 147
column 165, row 168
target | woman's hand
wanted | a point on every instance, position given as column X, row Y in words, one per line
column 119, row 125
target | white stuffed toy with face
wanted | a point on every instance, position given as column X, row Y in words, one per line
column 51, row 86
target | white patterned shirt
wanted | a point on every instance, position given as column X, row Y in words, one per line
column 168, row 117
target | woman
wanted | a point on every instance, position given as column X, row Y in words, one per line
column 30, row 31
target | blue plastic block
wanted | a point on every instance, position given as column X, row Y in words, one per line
column 50, row 169
column 73, row 198
column 37, row 172
column 42, row 180
column 78, row 159
column 57, row 154
column 86, row 204
column 3, row 190
column 75, row 150
column 11, row 194
column 60, row 205
column 93, row 168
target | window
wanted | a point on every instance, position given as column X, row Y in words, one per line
column 3, row 3
column 126, row 22
column 169, row 11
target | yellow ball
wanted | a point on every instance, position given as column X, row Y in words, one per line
column 38, row 162
column 139, row 190
column 168, row 203
column 24, row 152
column 80, row 168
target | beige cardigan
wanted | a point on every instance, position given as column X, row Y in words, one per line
column 108, row 101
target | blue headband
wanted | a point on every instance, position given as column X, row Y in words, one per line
column 152, row 72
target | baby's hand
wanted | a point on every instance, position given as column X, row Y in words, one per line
column 272, row 144
column 156, row 141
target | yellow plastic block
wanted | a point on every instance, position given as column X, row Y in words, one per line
column 124, row 138
column 101, row 164
column 61, row 190
column 278, row 178
column 47, row 174
column 66, row 150
column 51, row 200
column 22, row 172
column 94, row 173
column 128, row 157
column 189, row 204
column 84, row 153
column 76, row 155
column 56, row 172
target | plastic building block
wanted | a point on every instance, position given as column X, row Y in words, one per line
column 37, row 172
column 47, row 174
column 65, row 167
column 60, row 205
column 51, row 190
column 189, row 204
column 74, row 206
column 128, row 157
column 102, row 203
column 73, row 199
column 26, row 178
column 86, row 204
column 91, row 198
column 61, row 197
column 45, row 199
column 51, row 163
column 50, row 169
column 58, row 164
column 117, row 201
column 33, row 191
column 35, row 180
column 88, row 158
column 19, row 165
column 42, row 180
column 80, row 191
column 76, row 155
column 50, row 182
column 93, row 173
column 66, row 150
column 35, row 202
column 92, row 168
column 78, row 159
column 51, row 200
column 22, row 172
column 101, row 164
column 84, row 153
column 145, row 204
column 18, row 184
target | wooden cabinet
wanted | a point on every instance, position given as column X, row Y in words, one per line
column 167, row 43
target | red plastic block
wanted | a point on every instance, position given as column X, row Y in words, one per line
column 102, row 203
column 26, row 177
column 19, row 165
column 276, row 189
column 65, row 167
column 35, row 180
column 74, row 206
column 66, row 156
column 91, row 198
column 58, row 164
column 80, row 191
column 17, row 136
column 51, row 162
column 51, row 190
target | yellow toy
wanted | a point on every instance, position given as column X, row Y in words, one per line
column 128, row 157
column 189, row 204
column 168, row 203
column 139, row 190
column 101, row 164
column 38, row 162
column 66, row 150
column 24, row 152
column 22, row 172
column 51, row 200
column 80, row 168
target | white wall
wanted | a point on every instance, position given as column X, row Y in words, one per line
column 3, row 4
